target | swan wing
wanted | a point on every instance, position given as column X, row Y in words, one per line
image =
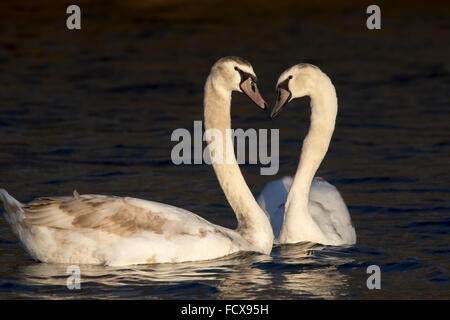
column 99, row 229
column 111, row 214
column 326, row 206
column 274, row 195
column 272, row 200
column 329, row 211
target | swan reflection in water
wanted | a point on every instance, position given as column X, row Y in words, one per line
column 293, row 271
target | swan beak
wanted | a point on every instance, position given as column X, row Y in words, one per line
column 284, row 97
column 250, row 88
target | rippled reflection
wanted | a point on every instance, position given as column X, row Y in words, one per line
column 294, row 270
column 312, row 270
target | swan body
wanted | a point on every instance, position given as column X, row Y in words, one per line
column 98, row 229
column 326, row 206
column 110, row 230
column 304, row 208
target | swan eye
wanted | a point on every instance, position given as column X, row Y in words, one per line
column 236, row 68
column 290, row 77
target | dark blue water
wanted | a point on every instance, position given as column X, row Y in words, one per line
column 94, row 110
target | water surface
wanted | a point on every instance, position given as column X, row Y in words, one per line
column 94, row 110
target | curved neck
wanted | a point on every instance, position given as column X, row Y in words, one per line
column 253, row 224
column 315, row 146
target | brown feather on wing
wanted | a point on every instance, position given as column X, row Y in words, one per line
column 105, row 213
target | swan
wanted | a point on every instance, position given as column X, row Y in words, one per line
column 118, row 231
column 304, row 208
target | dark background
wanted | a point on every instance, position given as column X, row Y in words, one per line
column 94, row 110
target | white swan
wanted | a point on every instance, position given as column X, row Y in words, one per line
column 110, row 230
column 303, row 208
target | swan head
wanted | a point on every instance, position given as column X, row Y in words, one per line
column 236, row 74
column 295, row 82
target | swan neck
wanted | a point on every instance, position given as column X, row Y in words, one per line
column 314, row 149
column 253, row 224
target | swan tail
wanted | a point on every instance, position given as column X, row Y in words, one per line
column 13, row 208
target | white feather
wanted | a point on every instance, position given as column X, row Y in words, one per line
column 304, row 208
